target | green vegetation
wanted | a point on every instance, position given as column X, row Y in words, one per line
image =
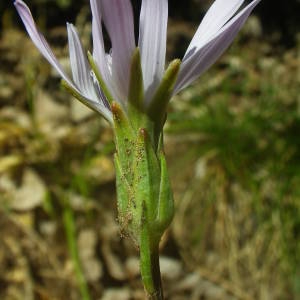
column 239, row 131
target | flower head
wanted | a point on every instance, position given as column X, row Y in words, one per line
column 131, row 88
column 106, row 77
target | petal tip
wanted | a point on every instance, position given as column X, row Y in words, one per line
column 18, row 3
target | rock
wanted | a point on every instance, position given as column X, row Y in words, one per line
column 116, row 294
column 30, row 194
column 171, row 269
column 92, row 266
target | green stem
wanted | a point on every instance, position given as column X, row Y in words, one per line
column 150, row 270
column 69, row 224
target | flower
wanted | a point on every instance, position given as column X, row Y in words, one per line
column 107, row 76
column 131, row 88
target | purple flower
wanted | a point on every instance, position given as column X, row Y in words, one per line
column 216, row 32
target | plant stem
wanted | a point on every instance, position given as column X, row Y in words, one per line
column 150, row 270
column 69, row 224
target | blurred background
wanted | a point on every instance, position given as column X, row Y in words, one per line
column 233, row 148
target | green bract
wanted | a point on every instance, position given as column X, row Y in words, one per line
column 145, row 201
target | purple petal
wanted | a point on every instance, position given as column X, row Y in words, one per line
column 79, row 64
column 118, row 20
column 197, row 63
column 98, row 44
column 217, row 15
column 152, row 42
column 82, row 74
column 44, row 48
column 40, row 41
